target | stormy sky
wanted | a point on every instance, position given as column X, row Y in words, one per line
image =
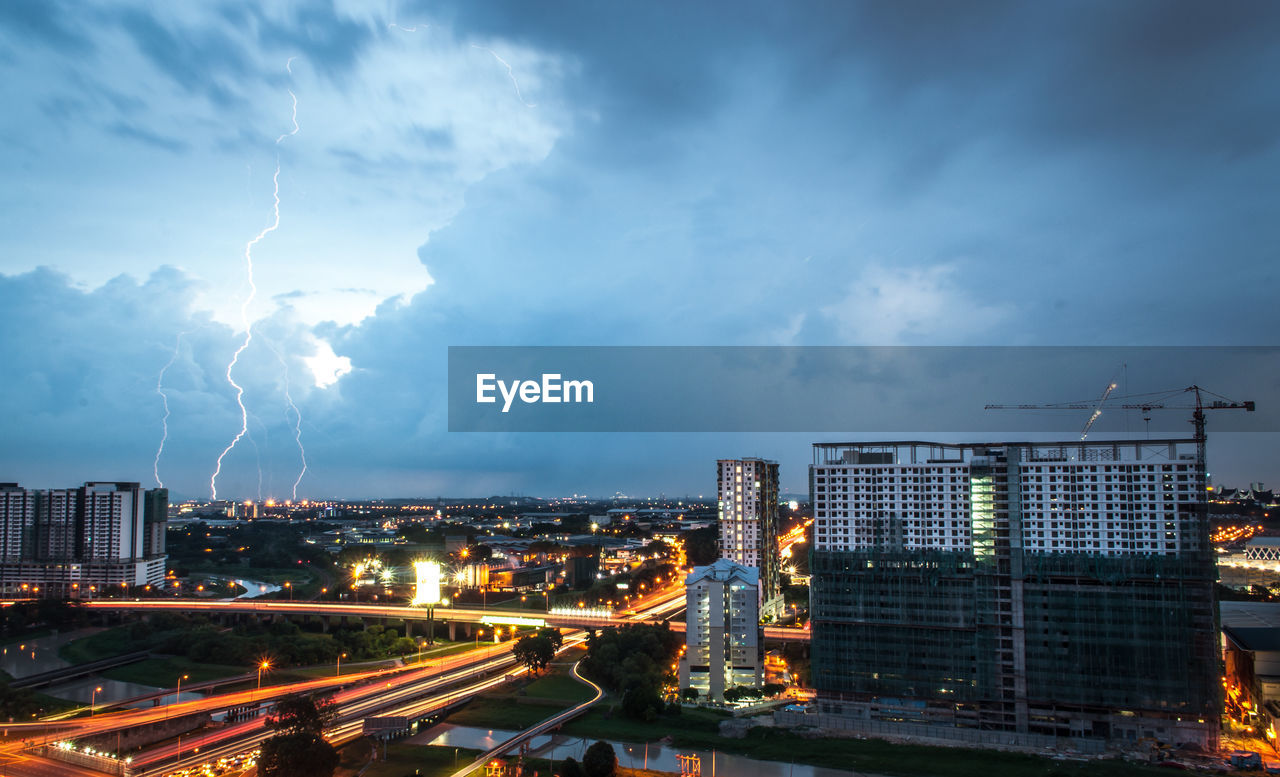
column 586, row 173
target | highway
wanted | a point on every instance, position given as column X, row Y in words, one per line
column 101, row 723
column 409, row 692
column 408, row 699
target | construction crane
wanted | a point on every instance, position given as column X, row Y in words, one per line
column 1154, row 401
column 1097, row 410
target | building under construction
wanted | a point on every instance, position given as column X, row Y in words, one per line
column 1015, row 592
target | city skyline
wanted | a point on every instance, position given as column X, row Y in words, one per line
column 415, row 176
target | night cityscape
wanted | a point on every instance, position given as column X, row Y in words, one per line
column 420, row 389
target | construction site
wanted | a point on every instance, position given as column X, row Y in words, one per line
column 1029, row 594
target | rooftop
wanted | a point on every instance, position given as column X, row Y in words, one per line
column 1266, row 639
column 722, row 570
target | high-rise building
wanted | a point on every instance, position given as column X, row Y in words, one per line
column 748, row 508
column 1021, row 591
column 722, row 629
column 80, row 541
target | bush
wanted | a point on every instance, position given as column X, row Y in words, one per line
column 642, row 702
column 599, row 760
column 571, row 768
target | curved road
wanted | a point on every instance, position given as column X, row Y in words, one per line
column 534, row 731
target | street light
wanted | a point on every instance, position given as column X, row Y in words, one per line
column 264, row 665
column 338, row 672
column 289, row 585
column 177, row 697
column 93, row 700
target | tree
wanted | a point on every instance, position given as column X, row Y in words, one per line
column 299, row 750
column 690, row 694
column 642, row 702
column 599, row 760
column 297, row 755
column 301, row 713
column 535, row 651
column 642, row 654
column 557, row 639
column 701, row 545
column 571, row 768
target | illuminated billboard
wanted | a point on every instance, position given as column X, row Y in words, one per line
column 427, row 588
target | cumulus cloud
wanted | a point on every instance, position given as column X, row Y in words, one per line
column 190, row 99
column 907, row 173
column 898, row 306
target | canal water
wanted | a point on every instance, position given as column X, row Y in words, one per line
column 34, row 656
column 635, row 756
column 252, row 587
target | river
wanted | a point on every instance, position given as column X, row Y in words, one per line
column 636, row 756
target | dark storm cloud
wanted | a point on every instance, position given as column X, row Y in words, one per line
column 728, row 174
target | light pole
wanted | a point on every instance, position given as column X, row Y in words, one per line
column 338, row 670
column 261, row 667
column 289, row 585
column 420, row 644
column 93, row 700
column 177, row 697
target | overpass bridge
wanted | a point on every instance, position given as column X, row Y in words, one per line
column 655, row 609
column 662, row 608
column 567, row 618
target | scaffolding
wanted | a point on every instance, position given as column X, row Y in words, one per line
column 998, row 638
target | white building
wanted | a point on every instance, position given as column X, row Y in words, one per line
column 722, row 629
column 1099, row 498
column 747, row 492
column 78, row 542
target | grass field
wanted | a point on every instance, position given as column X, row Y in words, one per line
column 559, row 686
column 105, row 644
column 518, row 708
column 164, row 672
column 442, row 650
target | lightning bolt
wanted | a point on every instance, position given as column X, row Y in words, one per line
column 510, row 74
column 164, row 399
column 257, row 453
column 293, row 117
column 248, row 329
column 248, row 300
column 297, row 419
